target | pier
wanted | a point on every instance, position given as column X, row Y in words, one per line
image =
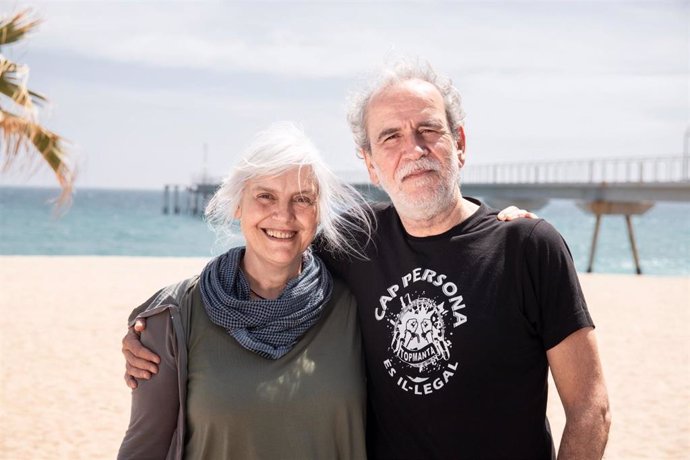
column 609, row 179
column 602, row 186
column 197, row 194
column 196, row 197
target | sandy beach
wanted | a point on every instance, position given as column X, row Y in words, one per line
column 62, row 394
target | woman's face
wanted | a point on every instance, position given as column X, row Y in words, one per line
column 278, row 217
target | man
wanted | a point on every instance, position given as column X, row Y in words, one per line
column 461, row 315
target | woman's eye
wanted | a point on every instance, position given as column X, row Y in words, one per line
column 303, row 200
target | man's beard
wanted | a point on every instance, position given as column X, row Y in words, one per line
column 436, row 197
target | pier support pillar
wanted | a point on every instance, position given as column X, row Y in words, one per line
column 176, row 199
column 628, row 209
column 166, row 199
column 188, row 209
column 633, row 246
column 593, row 248
column 195, row 208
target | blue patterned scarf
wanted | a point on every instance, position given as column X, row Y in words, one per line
column 268, row 327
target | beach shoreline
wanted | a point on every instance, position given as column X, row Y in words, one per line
column 62, row 317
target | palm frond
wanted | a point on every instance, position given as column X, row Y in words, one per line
column 13, row 83
column 20, row 134
column 15, row 27
column 20, row 131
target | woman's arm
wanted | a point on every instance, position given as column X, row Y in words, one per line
column 155, row 403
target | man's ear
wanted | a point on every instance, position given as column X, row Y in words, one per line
column 373, row 177
column 238, row 213
column 461, row 146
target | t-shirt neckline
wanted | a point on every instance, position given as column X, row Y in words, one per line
column 461, row 227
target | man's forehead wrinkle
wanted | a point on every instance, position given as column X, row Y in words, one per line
column 412, row 107
column 432, row 122
column 413, row 88
column 419, row 88
column 405, row 103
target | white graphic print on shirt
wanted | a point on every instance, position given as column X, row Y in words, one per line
column 420, row 347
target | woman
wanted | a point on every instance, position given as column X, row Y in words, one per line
column 260, row 354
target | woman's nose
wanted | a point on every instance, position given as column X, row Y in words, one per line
column 284, row 212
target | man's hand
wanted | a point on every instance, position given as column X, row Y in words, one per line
column 513, row 212
column 141, row 362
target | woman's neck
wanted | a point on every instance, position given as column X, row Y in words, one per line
column 268, row 281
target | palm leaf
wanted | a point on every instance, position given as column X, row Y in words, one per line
column 20, row 134
column 20, row 131
column 13, row 83
column 15, row 27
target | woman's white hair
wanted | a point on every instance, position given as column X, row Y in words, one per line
column 345, row 218
column 397, row 70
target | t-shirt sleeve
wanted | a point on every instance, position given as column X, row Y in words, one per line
column 555, row 304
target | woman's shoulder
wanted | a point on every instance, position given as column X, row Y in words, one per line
column 341, row 292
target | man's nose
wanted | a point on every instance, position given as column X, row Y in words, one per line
column 415, row 147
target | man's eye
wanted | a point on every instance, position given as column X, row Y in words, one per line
column 392, row 137
column 429, row 132
column 264, row 197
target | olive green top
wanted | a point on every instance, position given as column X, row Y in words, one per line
column 308, row 404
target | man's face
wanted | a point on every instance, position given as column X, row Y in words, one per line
column 414, row 155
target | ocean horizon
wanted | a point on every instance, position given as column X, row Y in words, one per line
column 132, row 223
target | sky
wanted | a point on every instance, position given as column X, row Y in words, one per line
column 159, row 92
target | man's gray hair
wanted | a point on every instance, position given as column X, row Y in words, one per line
column 344, row 215
column 399, row 70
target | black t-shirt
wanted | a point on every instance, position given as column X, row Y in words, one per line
column 455, row 331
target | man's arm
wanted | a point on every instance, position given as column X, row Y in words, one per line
column 578, row 375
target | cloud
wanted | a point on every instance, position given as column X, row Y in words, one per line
column 317, row 40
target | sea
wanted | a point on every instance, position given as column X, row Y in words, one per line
column 132, row 223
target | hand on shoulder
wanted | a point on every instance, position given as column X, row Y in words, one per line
column 513, row 212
